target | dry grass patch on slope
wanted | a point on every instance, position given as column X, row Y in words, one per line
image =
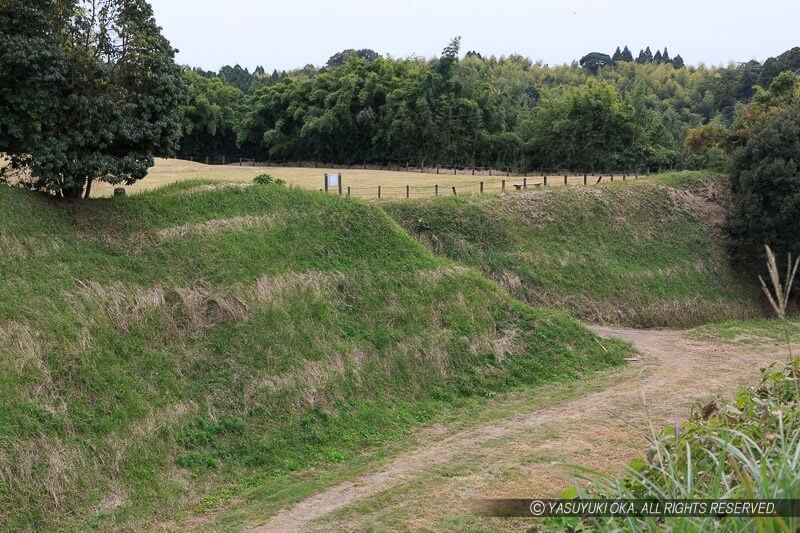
column 213, row 227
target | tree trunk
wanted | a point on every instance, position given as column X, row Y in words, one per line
column 72, row 193
column 88, row 192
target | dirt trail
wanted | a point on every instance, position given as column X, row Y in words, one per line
column 521, row 456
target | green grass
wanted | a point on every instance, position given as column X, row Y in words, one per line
column 686, row 179
column 641, row 254
column 165, row 353
column 751, row 332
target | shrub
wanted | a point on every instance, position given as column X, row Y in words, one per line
column 266, row 179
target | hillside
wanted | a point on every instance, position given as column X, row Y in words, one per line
column 163, row 352
column 646, row 253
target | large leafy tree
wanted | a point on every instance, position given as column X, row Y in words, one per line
column 585, row 128
column 766, row 173
column 89, row 91
column 594, row 61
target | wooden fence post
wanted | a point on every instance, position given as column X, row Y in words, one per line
column 379, row 192
column 454, row 191
column 481, row 187
column 545, row 181
column 408, row 191
column 326, row 182
column 524, row 183
column 503, row 185
column 490, row 172
column 240, row 161
column 340, row 184
column 348, row 191
column 436, row 190
column 584, row 178
column 565, row 181
column 455, row 171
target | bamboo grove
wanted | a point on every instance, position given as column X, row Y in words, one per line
column 471, row 111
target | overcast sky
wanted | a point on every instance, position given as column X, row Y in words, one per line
column 287, row 34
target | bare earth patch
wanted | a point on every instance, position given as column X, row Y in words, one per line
column 529, row 455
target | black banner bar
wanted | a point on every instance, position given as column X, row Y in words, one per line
column 637, row 508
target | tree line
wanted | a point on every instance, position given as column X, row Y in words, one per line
column 616, row 113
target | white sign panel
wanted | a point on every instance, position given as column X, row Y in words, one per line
column 333, row 180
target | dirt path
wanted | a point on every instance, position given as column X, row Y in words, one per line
column 524, row 456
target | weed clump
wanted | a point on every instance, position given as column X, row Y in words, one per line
column 266, row 179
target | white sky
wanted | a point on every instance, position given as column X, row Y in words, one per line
column 287, row 34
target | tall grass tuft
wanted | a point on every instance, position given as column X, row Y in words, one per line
column 779, row 295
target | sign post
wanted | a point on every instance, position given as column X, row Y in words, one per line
column 333, row 181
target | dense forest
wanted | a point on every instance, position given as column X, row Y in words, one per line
column 603, row 112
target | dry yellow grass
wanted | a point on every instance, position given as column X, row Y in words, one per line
column 362, row 183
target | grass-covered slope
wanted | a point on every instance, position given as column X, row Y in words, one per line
column 648, row 253
column 161, row 350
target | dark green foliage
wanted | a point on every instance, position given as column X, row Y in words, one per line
column 617, row 55
column 587, row 128
column 766, row 175
column 594, row 61
column 210, row 117
column 626, row 55
column 789, row 61
column 470, row 112
column 87, row 94
column 657, row 58
column 236, row 76
column 340, row 58
column 645, row 56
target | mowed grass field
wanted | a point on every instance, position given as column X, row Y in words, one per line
column 362, row 183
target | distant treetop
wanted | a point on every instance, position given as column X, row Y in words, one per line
column 626, row 55
column 593, row 61
column 340, row 58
